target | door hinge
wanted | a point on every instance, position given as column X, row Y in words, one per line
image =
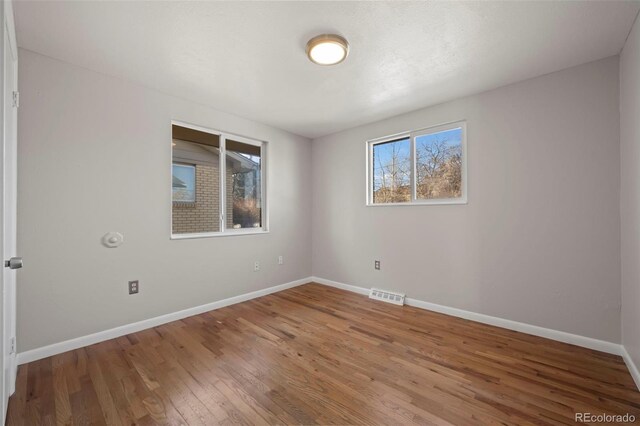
column 16, row 99
column 12, row 345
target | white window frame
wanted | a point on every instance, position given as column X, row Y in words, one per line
column 412, row 135
column 224, row 230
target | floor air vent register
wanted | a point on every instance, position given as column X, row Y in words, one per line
column 387, row 296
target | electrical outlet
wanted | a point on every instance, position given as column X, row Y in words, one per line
column 134, row 287
column 376, row 264
column 256, row 266
column 280, row 260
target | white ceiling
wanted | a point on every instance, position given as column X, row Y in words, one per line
column 248, row 58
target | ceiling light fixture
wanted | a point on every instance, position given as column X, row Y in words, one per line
column 327, row 49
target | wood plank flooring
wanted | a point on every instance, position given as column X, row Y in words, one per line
column 317, row 355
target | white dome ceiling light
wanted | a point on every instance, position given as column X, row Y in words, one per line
column 327, row 49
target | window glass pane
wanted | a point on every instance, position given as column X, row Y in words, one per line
column 184, row 183
column 392, row 171
column 439, row 165
column 244, row 193
column 195, row 181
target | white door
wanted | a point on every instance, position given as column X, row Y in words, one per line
column 8, row 198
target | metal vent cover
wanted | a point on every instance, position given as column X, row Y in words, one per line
column 387, row 296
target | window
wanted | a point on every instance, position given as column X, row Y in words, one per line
column 421, row 167
column 217, row 184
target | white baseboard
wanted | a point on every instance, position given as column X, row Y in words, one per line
column 633, row 369
column 561, row 336
column 336, row 284
column 79, row 342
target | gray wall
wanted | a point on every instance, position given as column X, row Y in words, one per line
column 95, row 156
column 538, row 242
column 630, row 191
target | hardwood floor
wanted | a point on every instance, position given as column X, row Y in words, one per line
column 318, row 355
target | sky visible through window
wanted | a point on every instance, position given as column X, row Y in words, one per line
column 391, row 163
column 451, row 138
column 254, row 158
column 184, row 182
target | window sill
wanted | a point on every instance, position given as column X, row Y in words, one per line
column 420, row 203
column 228, row 233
